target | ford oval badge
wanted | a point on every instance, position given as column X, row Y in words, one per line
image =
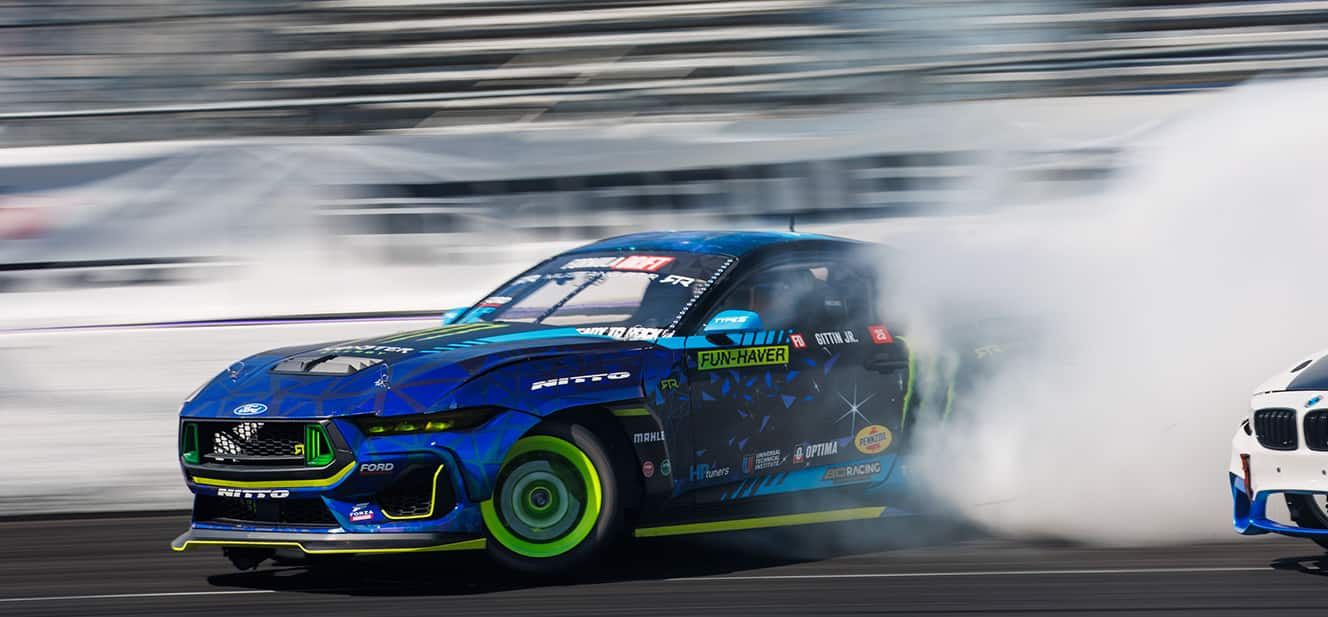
column 250, row 409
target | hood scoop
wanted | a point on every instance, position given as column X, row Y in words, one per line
column 324, row 364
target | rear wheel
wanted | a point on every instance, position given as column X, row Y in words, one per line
column 1310, row 511
column 555, row 502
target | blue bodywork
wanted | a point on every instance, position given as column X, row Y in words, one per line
column 510, row 369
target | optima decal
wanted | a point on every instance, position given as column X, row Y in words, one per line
column 744, row 356
column 592, row 378
column 873, row 439
column 804, row 453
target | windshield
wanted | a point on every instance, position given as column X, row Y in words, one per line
column 632, row 296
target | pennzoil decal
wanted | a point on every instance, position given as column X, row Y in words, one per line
column 873, row 439
column 743, row 356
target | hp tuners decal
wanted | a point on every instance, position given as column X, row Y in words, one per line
column 704, row 471
column 250, row 409
column 743, row 356
column 592, row 378
column 873, row 439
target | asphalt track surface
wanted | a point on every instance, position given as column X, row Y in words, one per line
column 122, row 566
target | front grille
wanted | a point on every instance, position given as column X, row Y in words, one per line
column 1316, row 430
column 1276, row 428
column 299, row 512
column 267, row 443
column 421, row 492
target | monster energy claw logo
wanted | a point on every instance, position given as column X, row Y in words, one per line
column 743, row 356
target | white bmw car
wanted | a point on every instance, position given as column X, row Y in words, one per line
column 1280, row 452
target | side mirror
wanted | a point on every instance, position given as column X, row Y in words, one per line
column 451, row 315
column 731, row 322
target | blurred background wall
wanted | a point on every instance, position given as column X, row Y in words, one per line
column 185, row 182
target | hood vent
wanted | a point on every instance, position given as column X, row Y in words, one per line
column 324, row 364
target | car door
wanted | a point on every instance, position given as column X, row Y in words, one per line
column 763, row 426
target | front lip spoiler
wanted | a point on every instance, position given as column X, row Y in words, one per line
column 329, row 544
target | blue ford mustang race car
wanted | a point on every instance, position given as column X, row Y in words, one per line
column 652, row 384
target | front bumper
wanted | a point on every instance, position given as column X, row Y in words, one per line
column 1273, row 473
column 329, row 543
column 407, row 493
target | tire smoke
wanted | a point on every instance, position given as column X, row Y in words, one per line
column 1158, row 307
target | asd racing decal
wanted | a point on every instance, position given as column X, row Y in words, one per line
column 743, row 356
column 851, row 473
column 873, row 439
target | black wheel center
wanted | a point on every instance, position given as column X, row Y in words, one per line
column 540, row 497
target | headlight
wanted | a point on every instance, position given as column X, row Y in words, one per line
column 454, row 420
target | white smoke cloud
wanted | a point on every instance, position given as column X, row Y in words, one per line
column 1160, row 304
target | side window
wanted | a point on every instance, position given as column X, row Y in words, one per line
column 819, row 295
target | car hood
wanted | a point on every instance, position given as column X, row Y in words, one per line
column 1309, row 373
column 398, row 374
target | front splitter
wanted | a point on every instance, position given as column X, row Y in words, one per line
column 330, row 543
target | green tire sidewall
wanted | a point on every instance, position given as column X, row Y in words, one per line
column 550, row 447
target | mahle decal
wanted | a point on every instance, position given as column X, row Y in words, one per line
column 873, row 439
column 743, row 356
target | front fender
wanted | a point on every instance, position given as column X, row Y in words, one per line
column 544, row 386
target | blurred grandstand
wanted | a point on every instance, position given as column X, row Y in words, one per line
column 80, row 71
column 444, row 128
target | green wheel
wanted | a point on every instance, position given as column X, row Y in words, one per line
column 554, row 501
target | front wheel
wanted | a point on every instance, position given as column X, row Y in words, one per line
column 555, row 502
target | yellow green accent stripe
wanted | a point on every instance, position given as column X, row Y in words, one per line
column 433, row 499
column 467, row 545
column 631, row 412
column 460, row 329
column 908, row 390
column 325, row 482
column 784, row 520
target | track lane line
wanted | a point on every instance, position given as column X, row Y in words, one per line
column 164, row 594
column 1105, row 571
column 770, row 577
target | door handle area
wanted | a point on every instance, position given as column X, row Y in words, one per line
column 885, row 363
